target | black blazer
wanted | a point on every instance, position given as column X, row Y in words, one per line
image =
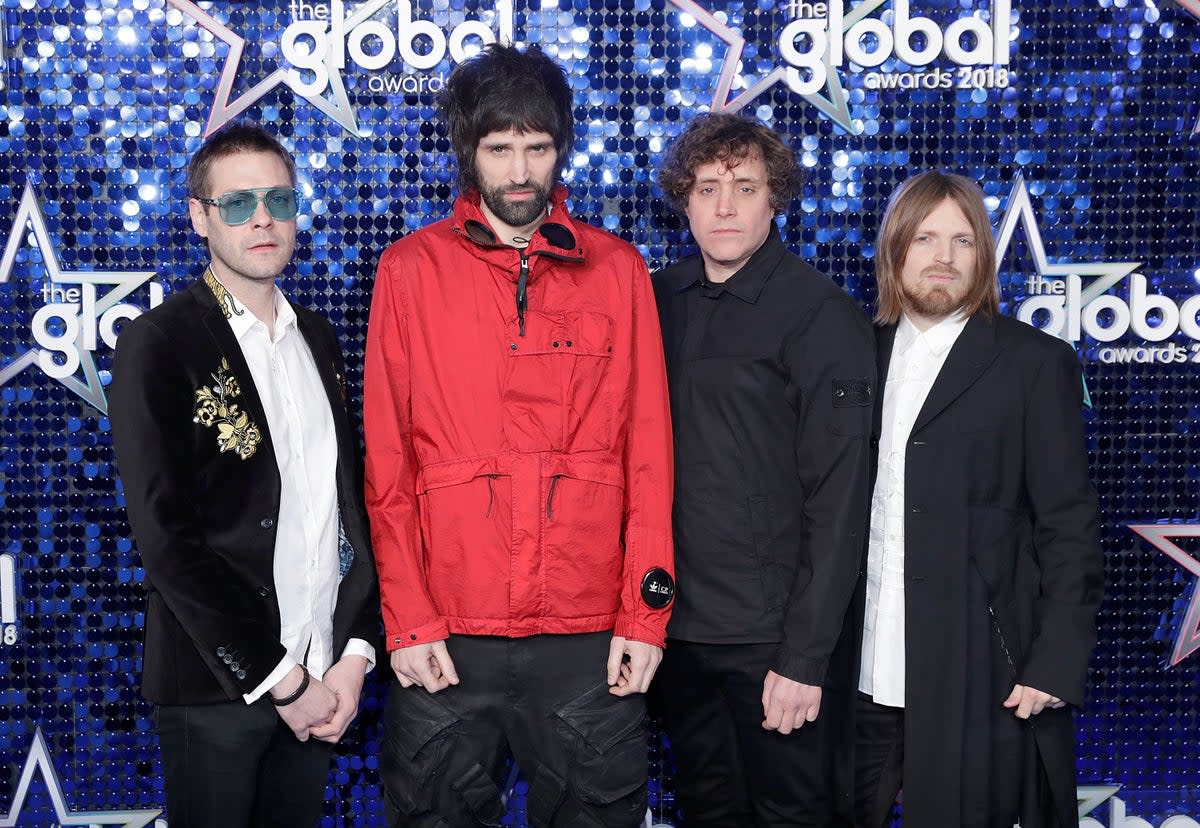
column 1002, row 577
column 203, row 517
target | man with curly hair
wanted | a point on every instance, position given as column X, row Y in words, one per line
column 771, row 375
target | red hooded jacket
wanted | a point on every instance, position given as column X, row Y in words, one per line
column 518, row 474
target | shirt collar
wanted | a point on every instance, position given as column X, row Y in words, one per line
column 938, row 339
column 242, row 320
column 748, row 282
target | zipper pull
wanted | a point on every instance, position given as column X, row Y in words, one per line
column 550, row 496
column 491, row 494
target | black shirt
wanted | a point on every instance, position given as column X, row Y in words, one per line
column 772, row 379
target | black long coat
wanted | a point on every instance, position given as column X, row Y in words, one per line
column 204, row 518
column 1002, row 581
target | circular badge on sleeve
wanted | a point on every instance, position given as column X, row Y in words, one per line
column 658, row 588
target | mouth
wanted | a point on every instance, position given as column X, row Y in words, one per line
column 262, row 247
column 519, row 195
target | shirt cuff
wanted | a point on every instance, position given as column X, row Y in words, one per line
column 285, row 666
column 358, row 647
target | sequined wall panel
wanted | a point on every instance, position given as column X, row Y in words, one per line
column 1080, row 120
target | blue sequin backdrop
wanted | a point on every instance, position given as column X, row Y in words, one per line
column 1079, row 119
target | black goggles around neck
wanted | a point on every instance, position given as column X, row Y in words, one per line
column 237, row 207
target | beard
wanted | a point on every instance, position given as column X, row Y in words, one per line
column 938, row 301
column 516, row 213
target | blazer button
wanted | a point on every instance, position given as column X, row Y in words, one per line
column 266, row 523
column 220, row 651
column 235, row 666
column 228, row 659
column 241, row 674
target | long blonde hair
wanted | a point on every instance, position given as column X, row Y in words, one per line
column 915, row 199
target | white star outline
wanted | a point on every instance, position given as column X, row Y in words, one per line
column 224, row 109
column 29, row 214
column 1158, row 535
column 1091, row 797
column 1019, row 210
column 834, row 105
column 39, row 759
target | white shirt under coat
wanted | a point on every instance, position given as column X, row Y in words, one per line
column 306, row 529
column 917, row 359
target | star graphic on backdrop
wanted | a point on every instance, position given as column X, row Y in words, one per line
column 1159, row 535
column 833, row 103
column 29, row 213
column 39, row 759
column 1019, row 210
column 224, row 109
column 1091, row 797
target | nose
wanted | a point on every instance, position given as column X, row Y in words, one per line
column 261, row 217
column 945, row 252
column 518, row 171
column 725, row 206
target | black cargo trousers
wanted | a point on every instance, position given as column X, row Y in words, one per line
column 542, row 700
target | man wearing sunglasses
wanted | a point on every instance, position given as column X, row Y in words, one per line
column 242, row 479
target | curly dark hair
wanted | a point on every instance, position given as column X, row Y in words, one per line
column 730, row 139
column 504, row 88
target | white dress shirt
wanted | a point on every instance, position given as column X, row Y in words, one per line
column 306, row 529
column 917, row 358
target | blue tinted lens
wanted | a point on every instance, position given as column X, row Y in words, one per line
column 238, row 207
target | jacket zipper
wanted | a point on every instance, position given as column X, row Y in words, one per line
column 550, row 496
column 523, row 292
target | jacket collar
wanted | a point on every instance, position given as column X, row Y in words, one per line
column 972, row 353
column 554, row 238
column 747, row 284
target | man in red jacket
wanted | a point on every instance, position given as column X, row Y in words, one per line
column 518, row 479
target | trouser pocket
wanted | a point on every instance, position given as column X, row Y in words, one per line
column 606, row 749
column 416, row 729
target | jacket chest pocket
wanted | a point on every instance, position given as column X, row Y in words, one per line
column 557, row 393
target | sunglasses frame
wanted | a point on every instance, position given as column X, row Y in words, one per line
column 260, row 197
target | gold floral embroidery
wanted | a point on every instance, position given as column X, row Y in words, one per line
column 235, row 431
column 224, row 297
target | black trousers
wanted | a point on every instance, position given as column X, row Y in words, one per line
column 878, row 761
column 237, row 765
column 543, row 701
column 731, row 773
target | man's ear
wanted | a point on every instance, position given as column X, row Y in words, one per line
column 199, row 215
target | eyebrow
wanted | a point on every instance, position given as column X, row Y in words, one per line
column 741, row 179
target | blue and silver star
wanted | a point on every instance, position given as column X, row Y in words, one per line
column 833, row 104
column 1019, row 210
column 90, row 388
column 224, row 109
column 39, row 759
column 1158, row 535
column 1091, row 797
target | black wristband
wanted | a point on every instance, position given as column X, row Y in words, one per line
column 297, row 693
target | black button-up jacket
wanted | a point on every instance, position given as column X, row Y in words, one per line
column 772, row 376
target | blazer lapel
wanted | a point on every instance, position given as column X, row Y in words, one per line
column 972, row 353
column 227, row 344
